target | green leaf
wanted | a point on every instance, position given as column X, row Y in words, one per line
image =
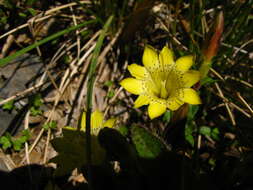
column 167, row 116
column 215, row 134
column 91, row 81
column 146, row 144
column 190, row 125
column 22, row 15
column 8, row 135
column 108, row 83
column 71, row 151
column 18, row 144
column 110, row 94
column 189, row 128
column 6, row 142
column 27, row 134
column 50, row 125
column 212, row 162
column 35, row 111
column 204, row 130
column 9, row 4
column 22, row 139
column 37, row 100
column 123, row 130
column 30, row 2
column 193, row 109
column 3, row 20
column 8, row 105
column 207, row 81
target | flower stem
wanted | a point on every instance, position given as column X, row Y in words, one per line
column 91, row 80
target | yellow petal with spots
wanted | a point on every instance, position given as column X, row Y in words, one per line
column 166, row 56
column 156, row 109
column 190, row 78
column 174, row 103
column 109, row 123
column 190, row 96
column 137, row 71
column 184, row 63
column 150, row 58
column 140, row 101
column 97, row 119
column 132, row 85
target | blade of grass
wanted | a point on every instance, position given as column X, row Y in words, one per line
column 90, row 84
column 6, row 60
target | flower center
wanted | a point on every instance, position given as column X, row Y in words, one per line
column 165, row 83
column 164, row 93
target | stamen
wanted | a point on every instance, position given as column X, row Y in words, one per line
column 163, row 93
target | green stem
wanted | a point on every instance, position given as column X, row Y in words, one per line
column 91, row 80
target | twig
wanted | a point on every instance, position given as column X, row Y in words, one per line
column 244, row 102
column 7, row 45
column 34, row 144
column 199, row 141
column 47, row 15
column 232, row 104
column 77, row 34
column 7, row 161
column 226, row 104
column 216, row 74
column 21, row 94
column 242, row 46
column 30, row 26
column 46, row 147
column 240, row 109
column 112, row 100
column 23, row 26
column 84, row 84
column 236, row 48
column 26, row 126
column 239, row 80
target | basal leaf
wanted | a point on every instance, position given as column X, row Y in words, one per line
column 117, row 147
column 146, row 144
column 71, row 151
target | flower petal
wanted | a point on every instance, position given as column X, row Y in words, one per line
column 70, row 128
column 166, row 56
column 190, row 78
column 97, row 119
column 137, row 71
column 140, row 101
column 156, row 109
column 132, row 85
column 174, row 103
column 83, row 121
column 150, row 58
column 109, row 123
column 190, row 96
column 184, row 63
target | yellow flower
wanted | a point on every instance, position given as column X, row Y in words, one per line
column 97, row 122
column 162, row 83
